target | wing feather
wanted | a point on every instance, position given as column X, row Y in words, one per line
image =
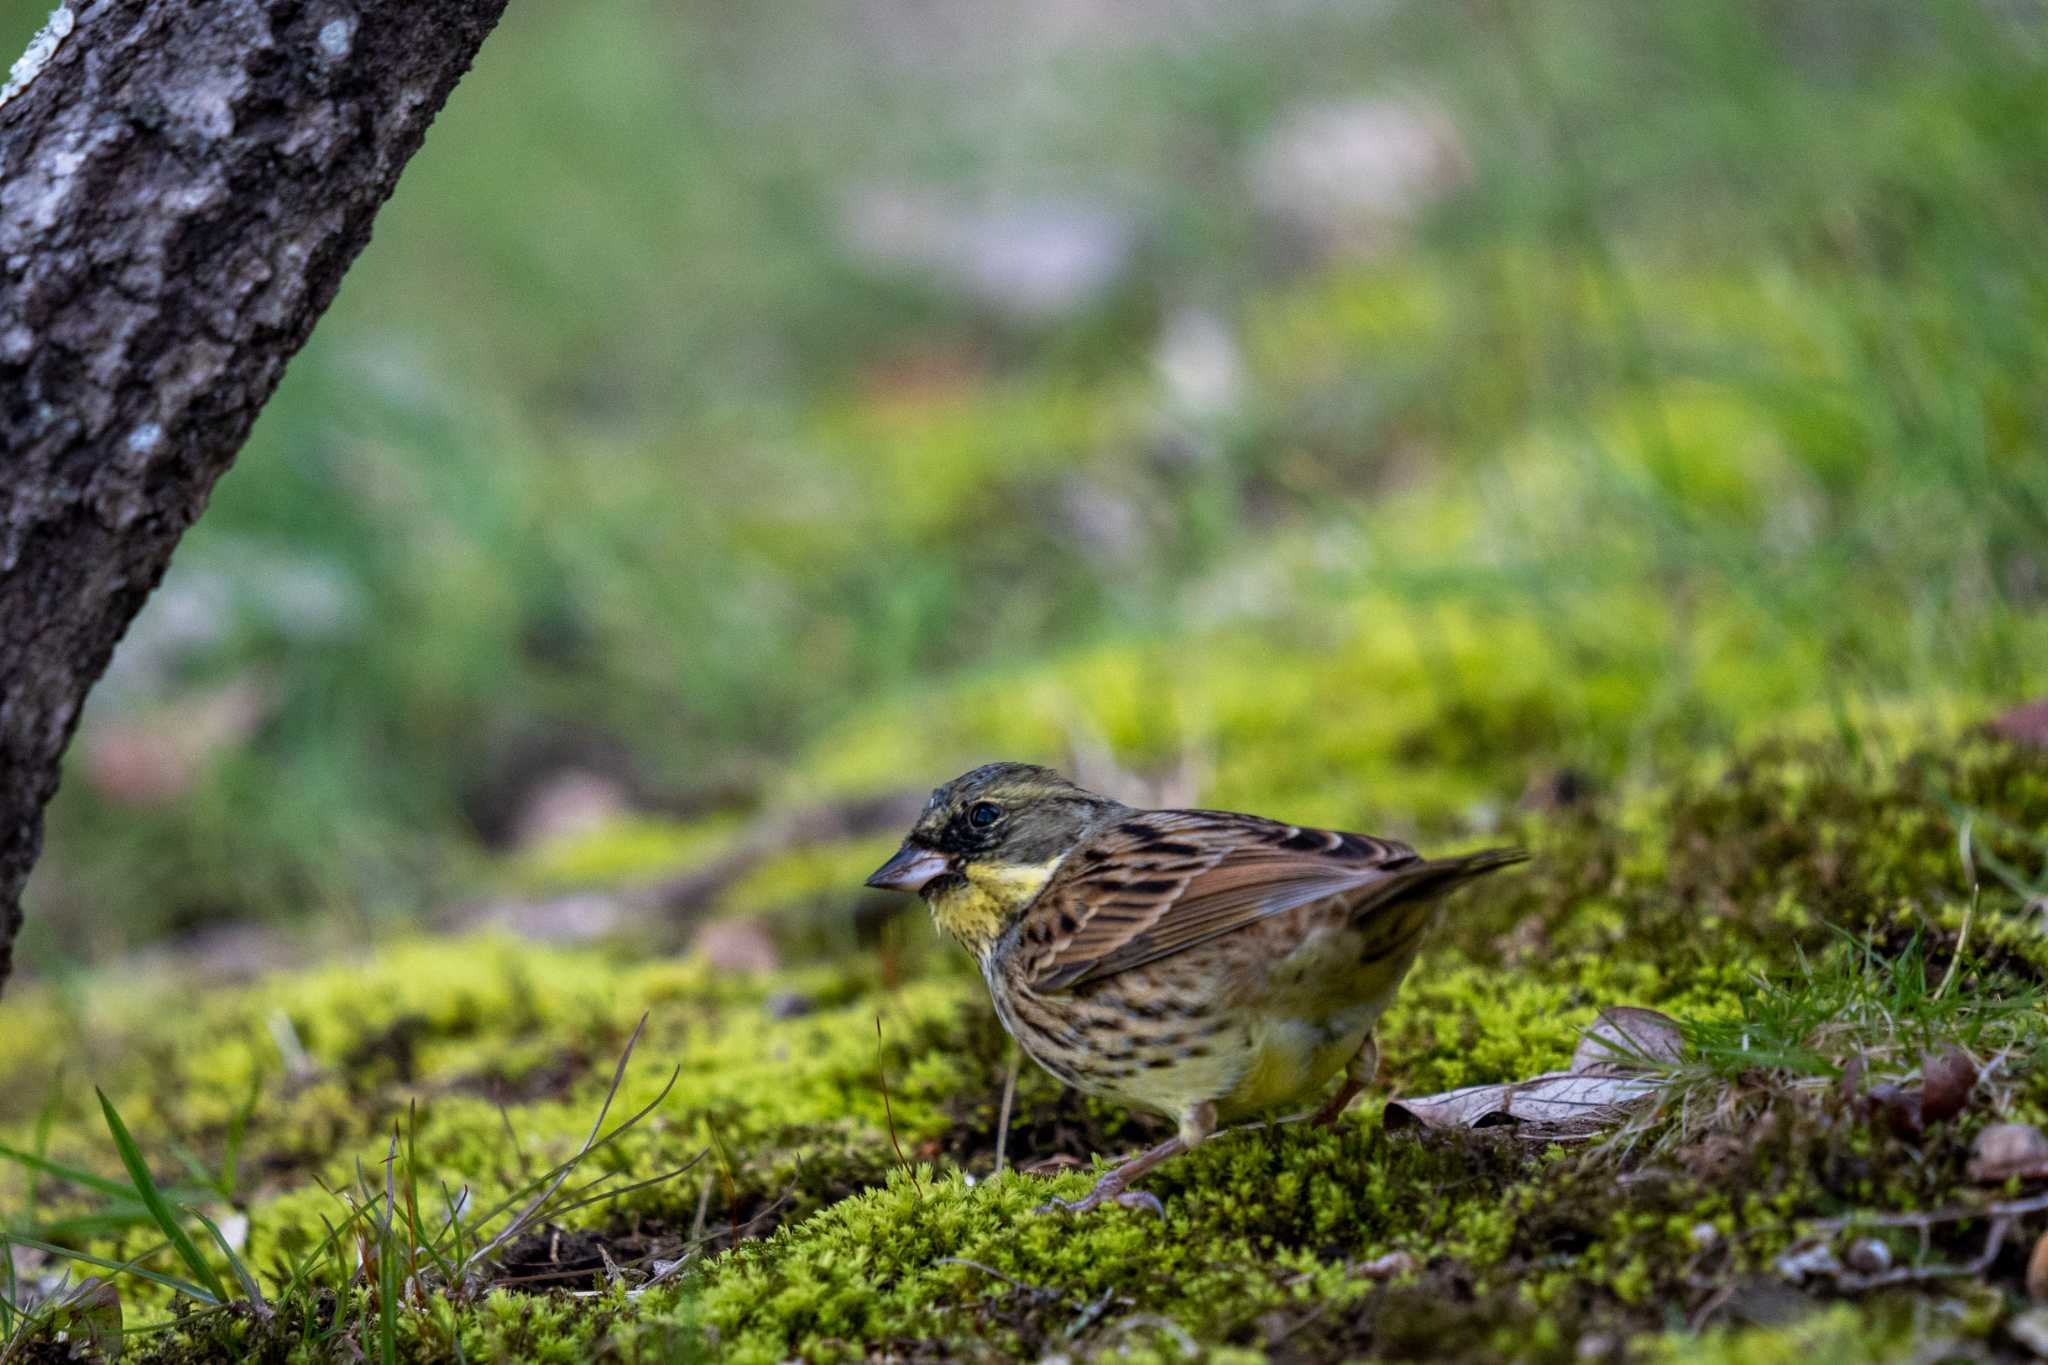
column 1162, row 882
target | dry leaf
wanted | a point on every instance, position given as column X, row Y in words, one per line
column 1556, row 1098
column 1627, row 1040
column 1607, row 1076
column 91, row 1317
column 1946, row 1079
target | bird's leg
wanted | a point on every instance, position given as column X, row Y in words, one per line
column 1111, row 1186
column 1197, row 1123
column 1358, row 1074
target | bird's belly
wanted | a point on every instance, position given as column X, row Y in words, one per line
column 1269, row 1048
column 1290, row 1060
column 1318, row 1006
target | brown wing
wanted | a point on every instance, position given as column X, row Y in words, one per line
column 1161, row 882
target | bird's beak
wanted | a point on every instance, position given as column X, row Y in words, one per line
column 912, row 869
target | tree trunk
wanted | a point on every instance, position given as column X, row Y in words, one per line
column 182, row 184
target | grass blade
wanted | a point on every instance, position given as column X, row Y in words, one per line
column 134, row 1267
column 314, row 1258
column 387, row 1296
column 45, row 1121
column 248, row 1281
column 41, row 1165
column 238, row 1128
column 9, row 1294
column 153, row 1200
column 417, row 1238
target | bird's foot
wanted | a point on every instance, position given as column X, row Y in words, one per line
column 1327, row 1116
column 1114, row 1186
column 1107, row 1191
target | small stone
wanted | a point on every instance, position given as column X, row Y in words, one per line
column 569, row 804
column 1556, row 789
column 789, row 1005
column 1200, row 365
column 1803, row 1262
column 1349, row 178
column 1869, row 1256
column 2004, row 1150
column 1704, row 1236
column 1032, row 260
column 2030, row 1329
column 1391, row 1266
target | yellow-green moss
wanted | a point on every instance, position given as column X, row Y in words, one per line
column 1677, row 897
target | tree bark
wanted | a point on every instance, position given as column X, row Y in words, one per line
column 182, row 185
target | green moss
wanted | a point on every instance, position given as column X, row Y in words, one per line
column 1840, row 1335
column 494, row 1056
column 620, row 852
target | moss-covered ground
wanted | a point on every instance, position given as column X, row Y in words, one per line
column 1667, row 492
column 849, row 1111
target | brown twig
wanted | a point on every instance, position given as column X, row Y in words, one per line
column 1007, row 1279
column 888, row 1110
column 1009, row 1095
column 2009, row 1209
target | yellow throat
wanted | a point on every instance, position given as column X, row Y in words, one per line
column 975, row 911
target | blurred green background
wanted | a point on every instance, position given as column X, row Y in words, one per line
column 1370, row 412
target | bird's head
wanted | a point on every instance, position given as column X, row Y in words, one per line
column 999, row 829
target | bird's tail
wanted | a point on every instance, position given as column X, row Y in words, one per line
column 1401, row 907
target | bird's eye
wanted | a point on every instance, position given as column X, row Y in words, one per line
column 983, row 815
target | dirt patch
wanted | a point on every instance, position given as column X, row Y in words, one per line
column 550, row 1257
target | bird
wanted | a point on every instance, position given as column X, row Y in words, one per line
column 1207, row 965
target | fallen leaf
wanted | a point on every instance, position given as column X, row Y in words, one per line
column 1946, row 1079
column 1900, row 1108
column 1607, row 1075
column 1628, row 1040
column 91, row 1317
column 1558, row 1098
